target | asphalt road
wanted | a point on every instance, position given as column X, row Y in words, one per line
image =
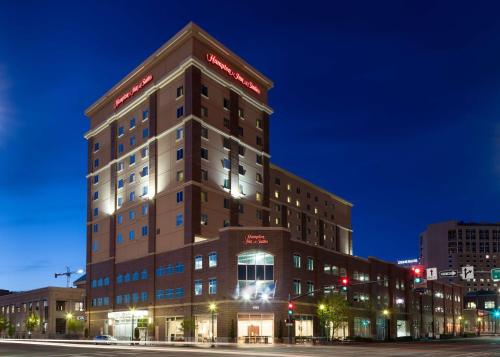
column 484, row 347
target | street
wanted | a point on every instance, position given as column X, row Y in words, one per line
column 485, row 346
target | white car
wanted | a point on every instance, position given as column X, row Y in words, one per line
column 105, row 340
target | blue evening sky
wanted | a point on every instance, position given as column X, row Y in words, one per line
column 393, row 105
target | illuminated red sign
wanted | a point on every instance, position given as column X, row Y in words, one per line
column 126, row 96
column 255, row 239
column 211, row 58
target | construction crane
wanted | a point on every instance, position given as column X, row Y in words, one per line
column 68, row 274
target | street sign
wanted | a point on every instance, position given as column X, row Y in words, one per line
column 467, row 272
column 420, row 290
column 448, row 273
column 495, row 274
column 432, row 273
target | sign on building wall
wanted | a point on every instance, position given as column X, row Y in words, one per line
column 132, row 91
column 252, row 239
column 213, row 59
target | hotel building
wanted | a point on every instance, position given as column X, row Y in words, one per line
column 192, row 233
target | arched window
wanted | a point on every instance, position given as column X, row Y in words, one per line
column 255, row 275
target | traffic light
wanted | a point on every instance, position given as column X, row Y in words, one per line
column 418, row 272
column 291, row 308
column 496, row 314
column 344, row 282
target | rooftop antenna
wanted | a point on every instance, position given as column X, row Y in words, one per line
column 68, row 274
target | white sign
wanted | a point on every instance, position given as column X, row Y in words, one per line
column 432, row 273
column 407, row 261
column 467, row 272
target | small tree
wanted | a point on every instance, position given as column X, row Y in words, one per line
column 31, row 322
column 333, row 311
column 75, row 326
column 232, row 331
column 3, row 324
column 11, row 329
column 188, row 326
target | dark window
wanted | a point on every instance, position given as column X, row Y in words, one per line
column 260, row 272
column 180, row 91
column 226, row 123
column 250, row 272
column 242, row 272
column 204, row 90
column 226, row 103
column 60, row 325
column 60, row 305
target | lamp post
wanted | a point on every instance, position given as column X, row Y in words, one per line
column 460, row 323
column 321, row 309
column 69, row 316
column 212, row 307
column 132, row 310
column 385, row 312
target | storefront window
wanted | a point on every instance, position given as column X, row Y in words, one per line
column 362, row 327
column 255, row 274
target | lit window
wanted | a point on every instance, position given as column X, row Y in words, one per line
column 180, row 176
column 296, row 260
column 310, row 263
column 179, row 219
column 198, row 287
column 179, row 134
column 212, row 286
column 297, row 289
column 258, row 196
column 198, row 262
column 180, row 91
column 212, row 260
column 204, row 219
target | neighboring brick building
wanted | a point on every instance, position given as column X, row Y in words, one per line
column 51, row 305
column 185, row 210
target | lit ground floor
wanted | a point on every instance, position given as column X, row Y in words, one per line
column 245, row 323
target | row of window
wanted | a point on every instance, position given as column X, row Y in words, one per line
column 297, row 287
column 168, row 294
column 212, row 261
column 97, row 283
column 212, row 287
column 131, row 234
column 169, row 269
column 100, row 301
column 297, row 262
column 135, row 276
column 131, row 298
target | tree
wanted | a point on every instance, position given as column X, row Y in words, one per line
column 75, row 326
column 232, row 331
column 11, row 329
column 188, row 326
column 31, row 322
column 333, row 311
column 3, row 324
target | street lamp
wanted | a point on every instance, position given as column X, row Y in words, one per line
column 132, row 310
column 212, row 307
column 322, row 308
column 386, row 314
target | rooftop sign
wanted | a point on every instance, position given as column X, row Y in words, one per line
column 211, row 58
column 126, row 96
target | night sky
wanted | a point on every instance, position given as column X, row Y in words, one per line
column 393, row 106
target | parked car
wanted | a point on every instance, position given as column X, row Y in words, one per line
column 105, row 340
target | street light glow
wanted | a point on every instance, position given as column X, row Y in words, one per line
column 212, row 307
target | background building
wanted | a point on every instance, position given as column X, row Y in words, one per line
column 51, row 305
column 452, row 244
